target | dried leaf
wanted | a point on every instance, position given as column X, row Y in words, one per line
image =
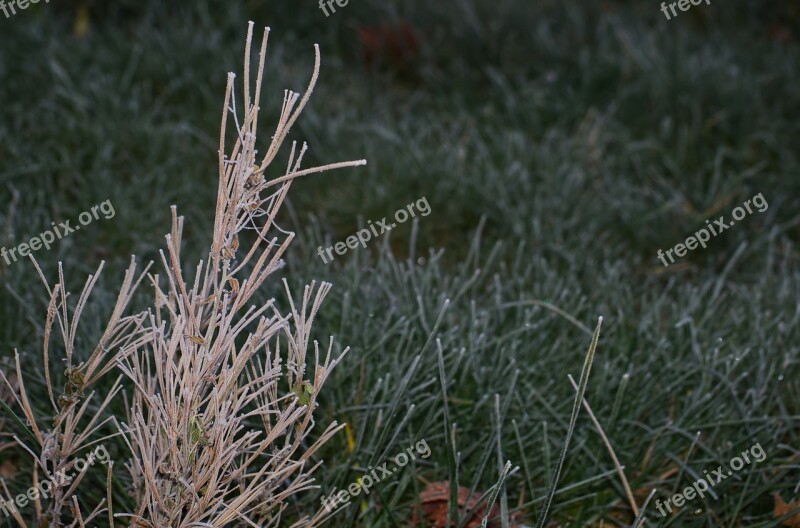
column 389, row 45
column 433, row 504
column 210, row 298
column 234, row 285
column 782, row 508
column 81, row 25
column 7, row 469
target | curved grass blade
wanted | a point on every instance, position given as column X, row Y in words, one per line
column 495, row 492
column 576, row 407
column 640, row 518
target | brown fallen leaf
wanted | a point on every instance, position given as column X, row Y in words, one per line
column 7, row 469
column 433, row 503
column 385, row 45
column 782, row 508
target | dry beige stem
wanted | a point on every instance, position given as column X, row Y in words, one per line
column 219, row 421
column 57, row 447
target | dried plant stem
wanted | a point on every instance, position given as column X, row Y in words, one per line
column 611, row 452
column 224, row 391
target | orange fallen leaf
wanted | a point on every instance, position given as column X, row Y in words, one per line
column 782, row 508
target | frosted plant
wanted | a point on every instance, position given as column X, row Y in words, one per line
column 223, row 391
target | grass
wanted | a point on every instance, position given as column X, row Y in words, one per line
column 559, row 147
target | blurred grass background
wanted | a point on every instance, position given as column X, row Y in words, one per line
column 560, row 146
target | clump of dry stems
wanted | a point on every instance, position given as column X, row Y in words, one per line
column 223, row 392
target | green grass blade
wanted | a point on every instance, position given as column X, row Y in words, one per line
column 495, row 493
column 18, row 421
column 576, row 407
column 452, row 503
column 640, row 518
column 503, row 491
